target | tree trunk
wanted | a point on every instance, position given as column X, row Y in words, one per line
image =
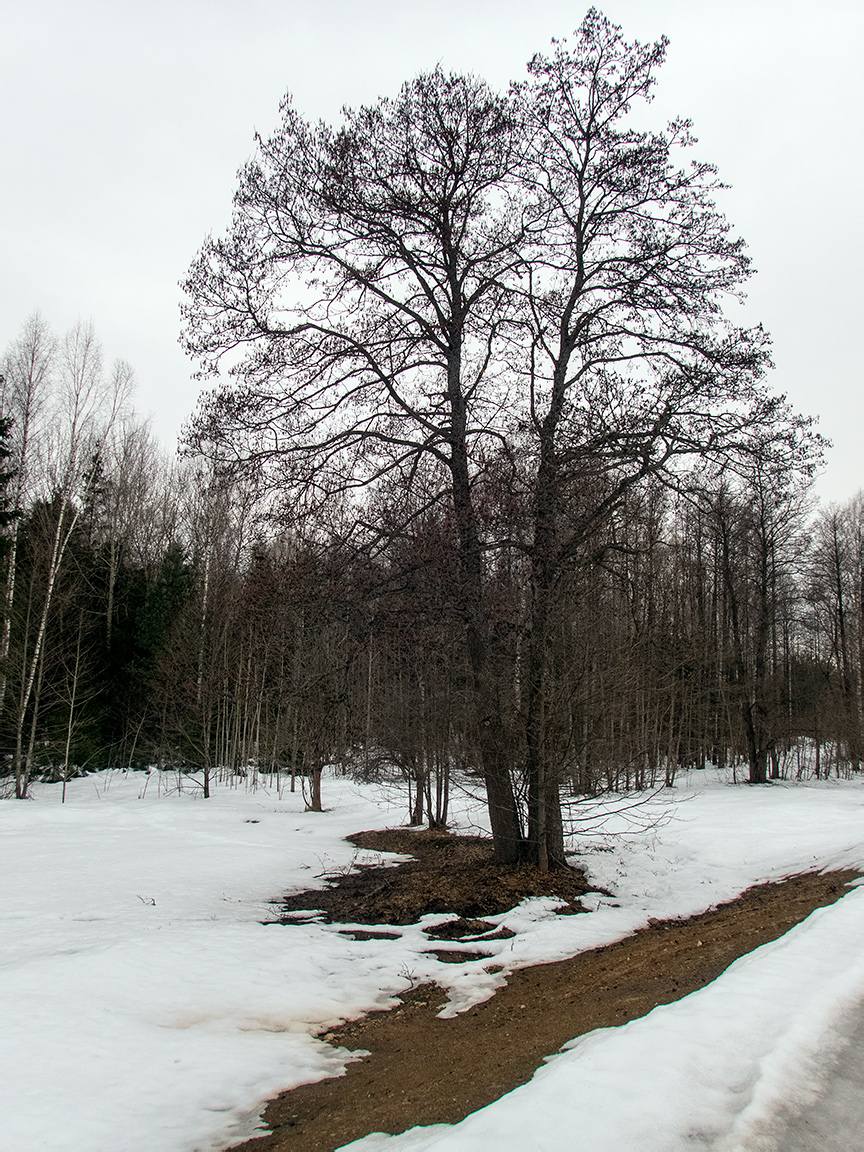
column 314, row 804
column 491, row 736
column 61, row 539
column 8, row 600
column 545, row 826
column 73, row 693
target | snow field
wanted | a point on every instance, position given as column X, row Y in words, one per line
column 146, row 1006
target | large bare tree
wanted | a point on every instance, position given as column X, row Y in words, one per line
column 369, row 267
column 630, row 368
column 454, row 279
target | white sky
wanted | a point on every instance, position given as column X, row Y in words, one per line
column 125, row 121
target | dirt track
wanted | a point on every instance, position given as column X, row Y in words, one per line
column 423, row 1070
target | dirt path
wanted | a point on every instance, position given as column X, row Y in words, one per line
column 423, row 1070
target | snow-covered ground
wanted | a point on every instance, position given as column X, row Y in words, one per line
column 146, row 1006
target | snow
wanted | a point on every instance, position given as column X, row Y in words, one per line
column 710, row 1071
column 146, row 1005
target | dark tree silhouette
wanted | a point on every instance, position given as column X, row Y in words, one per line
column 454, row 280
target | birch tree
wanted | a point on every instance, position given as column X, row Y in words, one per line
column 86, row 406
column 27, row 379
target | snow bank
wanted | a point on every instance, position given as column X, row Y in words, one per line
column 710, row 1071
column 146, row 1005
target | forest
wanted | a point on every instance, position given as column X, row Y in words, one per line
column 492, row 494
column 157, row 615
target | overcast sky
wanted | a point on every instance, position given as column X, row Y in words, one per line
column 124, row 123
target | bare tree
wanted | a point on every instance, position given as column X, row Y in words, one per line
column 631, row 369
column 454, row 278
column 86, row 407
column 401, row 220
column 26, row 384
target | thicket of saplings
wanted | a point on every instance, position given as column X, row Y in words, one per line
column 158, row 615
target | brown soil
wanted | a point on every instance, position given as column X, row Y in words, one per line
column 447, row 873
column 424, row 1070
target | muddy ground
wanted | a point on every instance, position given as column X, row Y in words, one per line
column 423, row 1070
column 446, row 874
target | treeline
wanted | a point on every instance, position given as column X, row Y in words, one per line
column 156, row 613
